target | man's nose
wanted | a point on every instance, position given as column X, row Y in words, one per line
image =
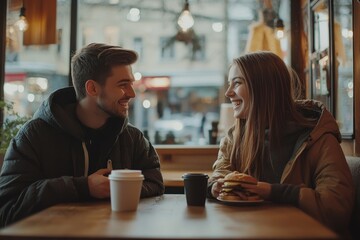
column 131, row 92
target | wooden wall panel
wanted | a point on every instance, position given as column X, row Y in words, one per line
column 41, row 16
column 298, row 44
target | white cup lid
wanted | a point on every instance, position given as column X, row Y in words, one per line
column 126, row 173
column 140, row 178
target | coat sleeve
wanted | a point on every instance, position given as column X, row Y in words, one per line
column 147, row 160
column 24, row 189
column 331, row 198
column 222, row 165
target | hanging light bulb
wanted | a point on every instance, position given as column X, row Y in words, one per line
column 279, row 28
column 133, row 15
column 186, row 21
column 22, row 24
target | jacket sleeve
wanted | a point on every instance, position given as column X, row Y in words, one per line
column 331, row 198
column 24, row 189
column 147, row 159
column 222, row 165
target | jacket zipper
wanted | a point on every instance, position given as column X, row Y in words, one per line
column 297, row 155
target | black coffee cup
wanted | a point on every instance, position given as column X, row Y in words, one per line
column 195, row 187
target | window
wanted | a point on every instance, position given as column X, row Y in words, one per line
column 138, row 46
column 343, row 37
column 33, row 71
column 189, row 100
column 167, row 48
column 331, row 72
column 198, row 48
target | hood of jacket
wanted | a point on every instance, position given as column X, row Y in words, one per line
column 326, row 123
column 58, row 110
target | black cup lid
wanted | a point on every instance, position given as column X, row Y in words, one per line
column 195, row 175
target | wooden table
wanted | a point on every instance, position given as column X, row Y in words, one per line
column 168, row 217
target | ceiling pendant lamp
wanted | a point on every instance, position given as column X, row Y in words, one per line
column 279, row 28
column 22, row 24
column 185, row 21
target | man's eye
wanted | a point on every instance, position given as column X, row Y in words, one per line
column 124, row 85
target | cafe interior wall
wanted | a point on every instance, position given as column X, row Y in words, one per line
column 94, row 24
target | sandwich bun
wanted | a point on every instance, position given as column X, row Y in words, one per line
column 233, row 178
column 232, row 189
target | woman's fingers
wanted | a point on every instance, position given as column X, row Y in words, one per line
column 263, row 189
column 216, row 187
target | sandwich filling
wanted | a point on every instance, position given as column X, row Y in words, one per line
column 232, row 188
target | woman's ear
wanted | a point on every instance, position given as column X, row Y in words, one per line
column 91, row 88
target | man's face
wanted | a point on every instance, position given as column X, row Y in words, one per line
column 117, row 92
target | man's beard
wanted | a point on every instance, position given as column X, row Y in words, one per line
column 112, row 112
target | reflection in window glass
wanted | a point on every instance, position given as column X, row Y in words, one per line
column 320, row 62
column 343, row 38
column 341, row 72
column 321, row 30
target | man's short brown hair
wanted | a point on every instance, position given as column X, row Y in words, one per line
column 95, row 61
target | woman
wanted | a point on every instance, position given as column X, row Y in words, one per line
column 291, row 147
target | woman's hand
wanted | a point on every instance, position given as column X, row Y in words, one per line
column 262, row 189
column 216, row 187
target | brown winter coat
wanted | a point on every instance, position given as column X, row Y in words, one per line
column 318, row 166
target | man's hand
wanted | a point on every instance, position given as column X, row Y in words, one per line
column 99, row 185
column 216, row 187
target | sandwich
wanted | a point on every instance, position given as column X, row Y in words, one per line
column 232, row 189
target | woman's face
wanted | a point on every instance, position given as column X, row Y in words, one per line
column 238, row 93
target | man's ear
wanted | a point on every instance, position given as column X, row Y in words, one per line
column 91, row 87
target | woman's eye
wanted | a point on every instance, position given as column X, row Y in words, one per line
column 236, row 83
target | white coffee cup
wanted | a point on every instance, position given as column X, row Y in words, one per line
column 125, row 189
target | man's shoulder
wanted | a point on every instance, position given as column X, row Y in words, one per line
column 35, row 125
column 132, row 129
column 133, row 135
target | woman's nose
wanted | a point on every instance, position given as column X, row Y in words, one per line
column 228, row 92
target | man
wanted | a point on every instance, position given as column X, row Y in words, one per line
column 61, row 155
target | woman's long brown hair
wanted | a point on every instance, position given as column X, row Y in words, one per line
column 271, row 90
